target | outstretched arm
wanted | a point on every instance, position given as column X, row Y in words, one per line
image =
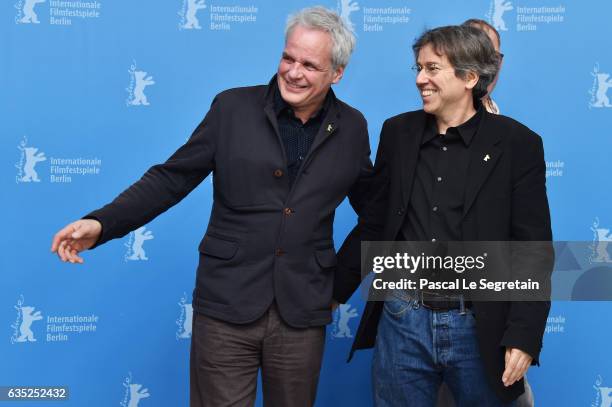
column 161, row 187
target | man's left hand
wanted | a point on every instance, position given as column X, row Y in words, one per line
column 517, row 363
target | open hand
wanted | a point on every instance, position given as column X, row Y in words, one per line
column 74, row 238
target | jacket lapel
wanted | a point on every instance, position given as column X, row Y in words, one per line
column 408, row 153
column 329, row 126
column 484, row 156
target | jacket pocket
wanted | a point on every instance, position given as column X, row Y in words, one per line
column 218, row 247
column 326, row 257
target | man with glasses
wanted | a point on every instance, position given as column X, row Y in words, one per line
column 445, row 397
column 452, row 172
column 284, row 156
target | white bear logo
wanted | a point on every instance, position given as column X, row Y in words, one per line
column 346, row 313
column 142, row 81
column 603, row 84
column 191, row 20
column 139, row 236
column 28, row 316
column 32, row 157
column 602, row 238
column 499, row 8
column 187, row 315
column 606, row 396
column 603, row 395
column 346, row 8
column 29, row 16
column 137, row 393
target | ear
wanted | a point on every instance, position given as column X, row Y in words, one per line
column 338, row 74
column 471, row 79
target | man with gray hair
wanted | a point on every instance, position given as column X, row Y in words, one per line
column 284, row 156
column 452, row 172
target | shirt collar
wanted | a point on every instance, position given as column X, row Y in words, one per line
column 466, row 130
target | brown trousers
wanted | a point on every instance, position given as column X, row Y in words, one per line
column 225, row 360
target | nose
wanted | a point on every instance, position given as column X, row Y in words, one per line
column 421, row 78
column 295, row 72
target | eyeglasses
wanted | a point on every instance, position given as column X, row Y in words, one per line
column 431, row 69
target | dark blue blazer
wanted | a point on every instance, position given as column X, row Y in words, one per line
column 266, row 240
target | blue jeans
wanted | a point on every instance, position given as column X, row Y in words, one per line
column 417, row 348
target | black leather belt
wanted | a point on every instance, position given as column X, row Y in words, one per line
column 441, row 302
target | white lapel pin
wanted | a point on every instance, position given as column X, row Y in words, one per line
column 330, row 128
column 487, row 157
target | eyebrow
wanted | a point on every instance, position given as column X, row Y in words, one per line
column 427, row 63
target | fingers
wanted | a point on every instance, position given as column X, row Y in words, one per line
column 60, row 236
column 75, row 230
column 522, row 368
column 74, row 238
column 72, row 253
column 67, row 252
column 61, row 251
column 511, row 364
column 517, row 363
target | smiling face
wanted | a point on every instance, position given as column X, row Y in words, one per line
column 305, row 71
column 443, row 92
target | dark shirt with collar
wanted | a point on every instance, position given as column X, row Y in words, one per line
column 436, row 203
column 297, row 136
column 435, row 211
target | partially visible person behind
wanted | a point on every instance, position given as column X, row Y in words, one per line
column 495, row 38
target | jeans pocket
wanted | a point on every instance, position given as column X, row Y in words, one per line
column 397, row 304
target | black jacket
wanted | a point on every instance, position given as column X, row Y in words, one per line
column 265, row 240
column 505, row 199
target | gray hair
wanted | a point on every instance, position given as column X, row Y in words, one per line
column 468, row 49
column 320, row 18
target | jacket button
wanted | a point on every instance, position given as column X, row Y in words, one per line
column 278, row 173
column 279, row 252
column 288, row 211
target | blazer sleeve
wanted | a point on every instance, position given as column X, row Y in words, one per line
column 532, row 251
column 358, row 194
column 163, row 185
column 374, row 191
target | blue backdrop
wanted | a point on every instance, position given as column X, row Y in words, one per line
column 95, row 92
